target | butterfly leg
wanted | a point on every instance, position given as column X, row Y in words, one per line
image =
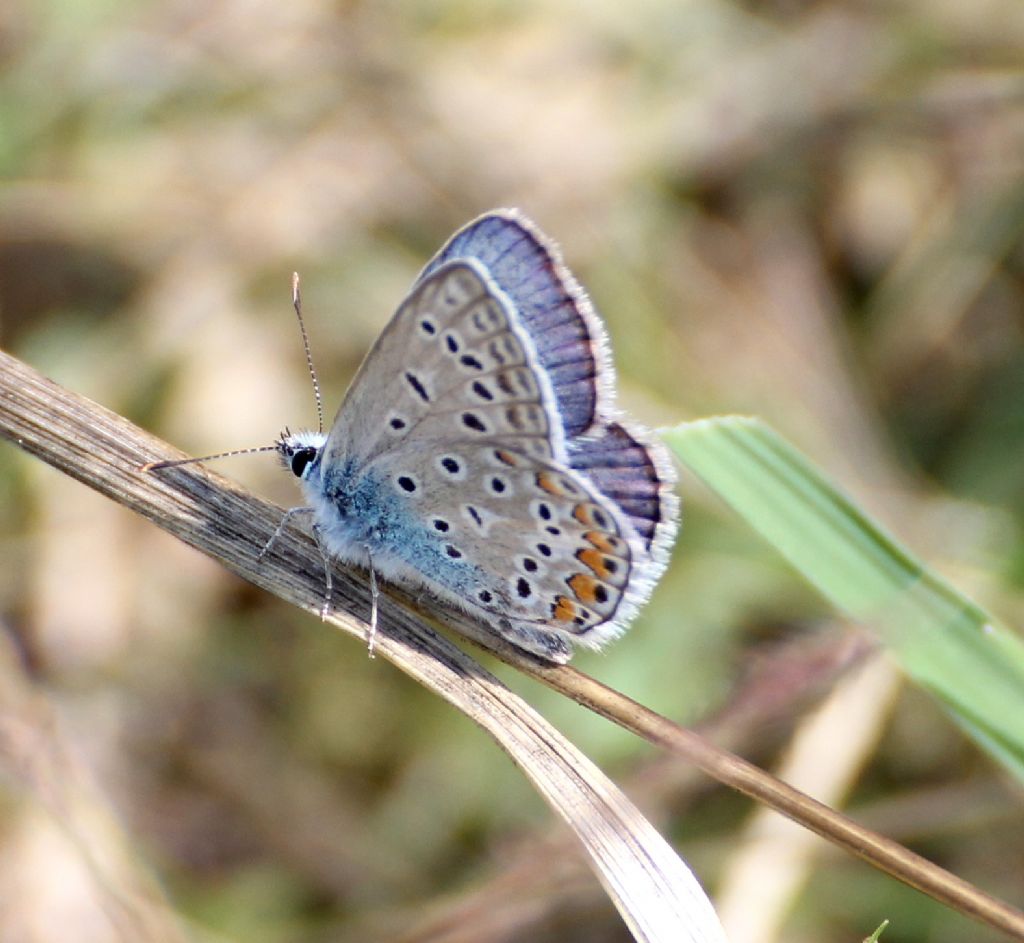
column 288, row 515
column 328, row 580
column 374, row 597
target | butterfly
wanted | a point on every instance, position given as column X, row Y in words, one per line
column 478, row 454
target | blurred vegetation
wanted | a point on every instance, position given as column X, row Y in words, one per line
column 812, row 212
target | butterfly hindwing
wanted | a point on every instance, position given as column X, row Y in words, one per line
column 543, row 546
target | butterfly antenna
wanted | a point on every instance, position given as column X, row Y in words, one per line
column 154, row 466
column 297, row 304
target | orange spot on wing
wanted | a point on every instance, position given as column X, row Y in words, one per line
column 564, row 609
column 549, row 483
column 602, row 541
column 583, row 513
column 506, row 458
column 595, row 560
column 584, row 586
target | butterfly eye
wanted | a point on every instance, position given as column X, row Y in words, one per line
column 300, row 460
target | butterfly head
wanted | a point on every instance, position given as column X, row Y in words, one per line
column 299, row 451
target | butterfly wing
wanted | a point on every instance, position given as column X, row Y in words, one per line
column 525, row 544
column 625, row 462
column 459, row 417
column 550, row 303
column 452, row 362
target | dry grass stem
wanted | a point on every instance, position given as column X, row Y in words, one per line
column 215, row 516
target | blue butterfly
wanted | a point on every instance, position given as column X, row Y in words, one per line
column 478, row 453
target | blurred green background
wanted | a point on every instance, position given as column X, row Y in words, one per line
column 812, row 212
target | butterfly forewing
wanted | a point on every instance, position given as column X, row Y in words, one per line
column 453, row 361
column 552, row 306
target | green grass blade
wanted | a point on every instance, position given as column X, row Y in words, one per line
column 944, row 641
column 877, row 935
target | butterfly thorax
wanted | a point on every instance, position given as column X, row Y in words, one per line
column 363, row 516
